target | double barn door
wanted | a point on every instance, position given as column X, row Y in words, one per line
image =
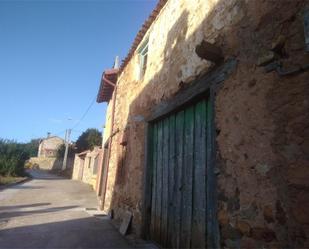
column 179, row 148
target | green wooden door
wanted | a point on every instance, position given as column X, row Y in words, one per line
column 178, row 157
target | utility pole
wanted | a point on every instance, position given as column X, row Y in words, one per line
column 67, row 141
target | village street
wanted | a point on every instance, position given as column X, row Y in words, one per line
column 49, row 212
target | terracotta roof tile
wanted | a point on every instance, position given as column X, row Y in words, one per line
column 106, row 90
column 141, row 33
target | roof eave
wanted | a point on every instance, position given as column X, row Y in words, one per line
column 107, row 85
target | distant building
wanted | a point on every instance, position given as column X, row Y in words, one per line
column 48, row 146
column 86, row 166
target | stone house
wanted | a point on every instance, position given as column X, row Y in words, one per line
column 48, row 146
column 47, row 154
column 207, row 128
column 86, row 166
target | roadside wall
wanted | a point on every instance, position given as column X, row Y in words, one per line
column 90, row 162
column 261, row 119
column 76, row 167
column 50, row 163
column 89, row 176
column 46, row 163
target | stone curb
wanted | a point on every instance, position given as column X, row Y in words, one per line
column 27, row 178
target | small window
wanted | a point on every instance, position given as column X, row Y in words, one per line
column 142, row 58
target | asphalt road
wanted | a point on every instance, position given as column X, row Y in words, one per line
column 49, row 212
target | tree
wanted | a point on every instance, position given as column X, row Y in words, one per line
column 13, row 156
column 32, row 147
column 88, row 139
column 61, row 150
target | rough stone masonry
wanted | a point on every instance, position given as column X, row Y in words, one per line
column 261, row 118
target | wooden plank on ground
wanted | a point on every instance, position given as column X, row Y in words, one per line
column 127, row 218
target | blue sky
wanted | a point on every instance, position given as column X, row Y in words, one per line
column 52, row 55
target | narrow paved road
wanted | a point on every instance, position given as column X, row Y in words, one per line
column 49, row 212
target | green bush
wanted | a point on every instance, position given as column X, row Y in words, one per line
column 61, row 151
column 88, row 139
column 12, row 157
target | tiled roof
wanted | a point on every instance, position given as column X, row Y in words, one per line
column 141, row 33
column 106, row 89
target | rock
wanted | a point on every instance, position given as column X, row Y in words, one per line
column 268, row 214
column 300, row 209
column 223, row 217
column 221, row 196
column 217, row 22
column 252, row 83
column 305, row 146
column 265, row 58
column 233, row 203
column 229, row 232
column 243, row 227
column 249, row 243
column 138, row 118
column 263, row 233
column 249, row 213
column 292, row 151
column 296, row 42
column 262, row 169
column 232, row 244
column 278, row 44
column 208, row 51
column 299, row 174
column 280, row 213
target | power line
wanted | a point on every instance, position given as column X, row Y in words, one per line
column 77, row 131
column 60, row 132
column 79, row 121
column 84, row 115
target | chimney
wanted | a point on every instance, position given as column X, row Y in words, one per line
column 116, row 63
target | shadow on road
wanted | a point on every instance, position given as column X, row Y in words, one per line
column 22, row 186
column 43, row 175
column 79, row 233
column 25, row 206
column 4, row 215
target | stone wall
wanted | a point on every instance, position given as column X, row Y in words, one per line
column 76, row 167
column 46, row 163
column 261, row 118
column 90, row 161
column 50, row 163
column 89, row 176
